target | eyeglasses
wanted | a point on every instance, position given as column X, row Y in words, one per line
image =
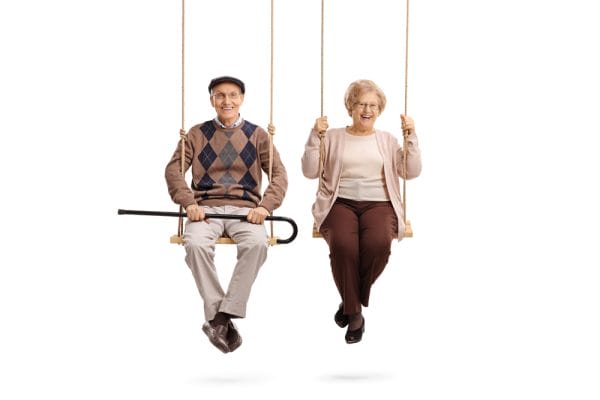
column 373, row 107
column 222, row 96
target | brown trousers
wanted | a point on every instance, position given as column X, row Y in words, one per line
column 359, row 235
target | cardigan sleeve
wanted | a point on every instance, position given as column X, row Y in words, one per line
column 310, row 158
column 413, row 160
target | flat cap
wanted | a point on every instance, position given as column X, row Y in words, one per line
column 222, row 79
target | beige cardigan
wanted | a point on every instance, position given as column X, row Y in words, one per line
column 393, row 167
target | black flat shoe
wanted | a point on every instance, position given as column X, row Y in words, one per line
column 355, row 336
column 340, row 319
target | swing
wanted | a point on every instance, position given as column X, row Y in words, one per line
column 178, row 238
column 408, row 232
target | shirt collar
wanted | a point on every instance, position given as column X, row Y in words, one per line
column 237, row 123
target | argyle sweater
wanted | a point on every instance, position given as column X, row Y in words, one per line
column 227, row 166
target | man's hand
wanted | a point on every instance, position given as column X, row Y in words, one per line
column 195, row 212
column 257, row 215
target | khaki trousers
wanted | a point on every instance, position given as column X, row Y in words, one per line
column 251, row 242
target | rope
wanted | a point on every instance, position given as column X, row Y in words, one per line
column 182, row 65
column 405, row 133
column 182, row 129
column 322, row 52
column 272, row 61
column 322, row 134
column 271, row 101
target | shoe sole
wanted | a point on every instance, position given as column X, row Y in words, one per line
column 353, row 341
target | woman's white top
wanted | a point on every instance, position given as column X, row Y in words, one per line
column 362, row 170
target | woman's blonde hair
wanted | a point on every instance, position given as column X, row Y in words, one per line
column 357, row 89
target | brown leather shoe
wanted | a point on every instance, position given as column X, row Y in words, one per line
column 217, row 336
column 234, row 340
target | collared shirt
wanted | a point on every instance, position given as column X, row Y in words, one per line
column 237, row 123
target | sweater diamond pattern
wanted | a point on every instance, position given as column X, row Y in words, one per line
column 207, row 156
column 227, row 165
column 248, row 181
column 248, row 128
column 208, row 129
column 228, row 155
column 227, row 180
column 205, row 183
column 248, row 154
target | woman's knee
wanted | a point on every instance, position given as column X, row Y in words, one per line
column 376, row 246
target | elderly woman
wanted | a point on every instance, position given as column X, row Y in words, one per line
column 358, row 208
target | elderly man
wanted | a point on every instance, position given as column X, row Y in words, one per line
column 228, row 155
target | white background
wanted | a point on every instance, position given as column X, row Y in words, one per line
column 495, row 297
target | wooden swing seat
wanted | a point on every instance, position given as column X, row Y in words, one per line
column 408, row 232
column 175, row 239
